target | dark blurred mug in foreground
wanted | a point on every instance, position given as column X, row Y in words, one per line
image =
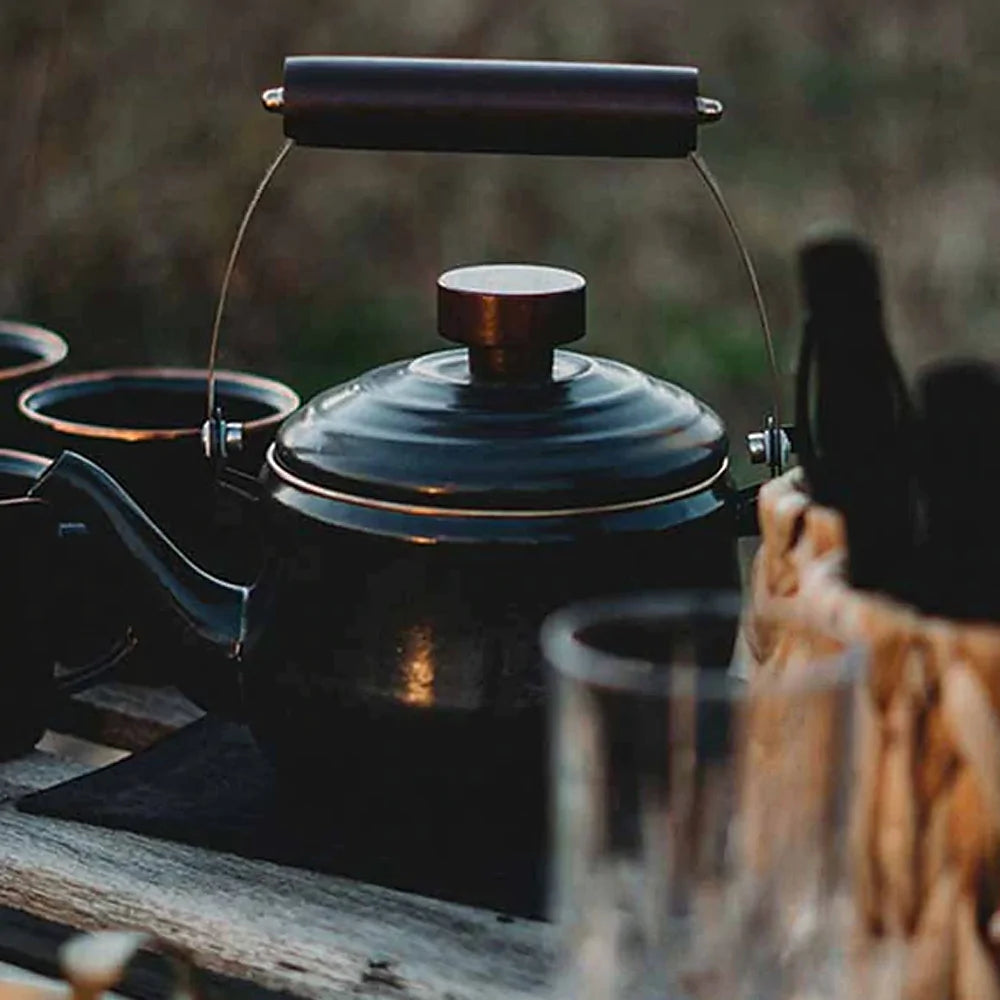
column 59, row 632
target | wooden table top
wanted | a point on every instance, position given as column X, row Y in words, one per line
column 284, row 929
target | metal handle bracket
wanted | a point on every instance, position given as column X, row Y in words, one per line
column 220, row 439
column 773, row 446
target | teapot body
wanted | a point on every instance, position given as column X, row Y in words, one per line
column 408, row 650
column 423, row 519
column 419, row 522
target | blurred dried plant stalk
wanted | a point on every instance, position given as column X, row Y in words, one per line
column 95, row 963
column 925, row 838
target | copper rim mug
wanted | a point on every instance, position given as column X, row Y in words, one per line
column 144, row 426
column 27, row 353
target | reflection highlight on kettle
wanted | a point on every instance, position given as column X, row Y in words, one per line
column 416, row 667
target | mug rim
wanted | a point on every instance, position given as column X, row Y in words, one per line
column 48, row 347
column 569, row 656
column 283, row 398
column 18, row 457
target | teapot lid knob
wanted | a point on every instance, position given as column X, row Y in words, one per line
column 511, row 317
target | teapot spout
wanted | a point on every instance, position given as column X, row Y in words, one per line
column 214, row 610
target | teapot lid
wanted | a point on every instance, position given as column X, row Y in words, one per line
column 509, row 425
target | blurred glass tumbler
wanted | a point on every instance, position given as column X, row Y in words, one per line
column 700, row 821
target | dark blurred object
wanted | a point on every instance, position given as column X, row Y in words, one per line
column 27, row 536
column 854, row 419
column 27, row 354
column 959, row 474
column 89, row 636
column 492, row 106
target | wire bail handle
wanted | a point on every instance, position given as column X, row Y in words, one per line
column 498, row 106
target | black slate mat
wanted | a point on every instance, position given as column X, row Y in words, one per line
column 208, row 785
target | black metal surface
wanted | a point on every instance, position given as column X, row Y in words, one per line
column 206, row 604
column 468, row 105
column 554, row 430
column 427, row 525
column 355, row 642
column 426, row 432
column 431, row 665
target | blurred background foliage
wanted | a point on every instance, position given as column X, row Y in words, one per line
column 133, row 138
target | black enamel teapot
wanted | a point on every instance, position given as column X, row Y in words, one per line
column 421, row 520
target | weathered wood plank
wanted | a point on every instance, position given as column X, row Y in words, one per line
column 285, row 929
column 127, row 716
